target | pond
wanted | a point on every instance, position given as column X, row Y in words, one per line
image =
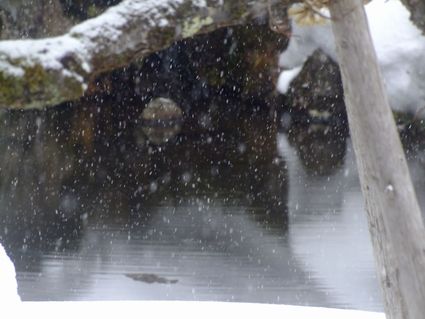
column 242, row 214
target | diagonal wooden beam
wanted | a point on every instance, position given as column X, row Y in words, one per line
column 394, row 216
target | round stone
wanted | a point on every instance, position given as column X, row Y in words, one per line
column 161, row 120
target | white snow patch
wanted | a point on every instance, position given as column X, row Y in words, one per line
column 286, row 77
column 389, row 188
column 399, row 44
column 107, row 25
column 11, row 69
column 8, row 284
column 163, row 22
column 111, row 23
column 46, row 52
column 200, row 3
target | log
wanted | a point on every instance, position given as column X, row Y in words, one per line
column 38, row 73
column 394, row 216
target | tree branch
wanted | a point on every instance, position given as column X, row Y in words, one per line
column 38, row 73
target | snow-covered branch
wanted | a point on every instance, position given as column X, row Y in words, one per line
column 37, row 73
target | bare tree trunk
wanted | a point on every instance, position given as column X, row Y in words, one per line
column 394, row 216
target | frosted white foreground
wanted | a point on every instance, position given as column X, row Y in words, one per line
column 176, row 309
column 8, row 285
column 399, row 45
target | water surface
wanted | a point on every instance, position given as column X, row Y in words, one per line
column 245, row 215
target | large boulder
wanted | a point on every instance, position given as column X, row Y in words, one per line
column 316, row 94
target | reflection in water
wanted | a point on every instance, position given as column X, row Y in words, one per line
column 36, row 205
column 81, row 211
column 328, row 231
column 92, row 211
column 320, row 148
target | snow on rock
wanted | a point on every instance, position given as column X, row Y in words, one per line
column 399, row 44
column 8, row 284
column 286, row 78
column 48, row 53
column 114, row 22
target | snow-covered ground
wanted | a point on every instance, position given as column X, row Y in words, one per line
column 177, row 309
column 8, row 285
column 399, row 44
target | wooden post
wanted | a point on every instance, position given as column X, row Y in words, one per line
column 394, row 216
